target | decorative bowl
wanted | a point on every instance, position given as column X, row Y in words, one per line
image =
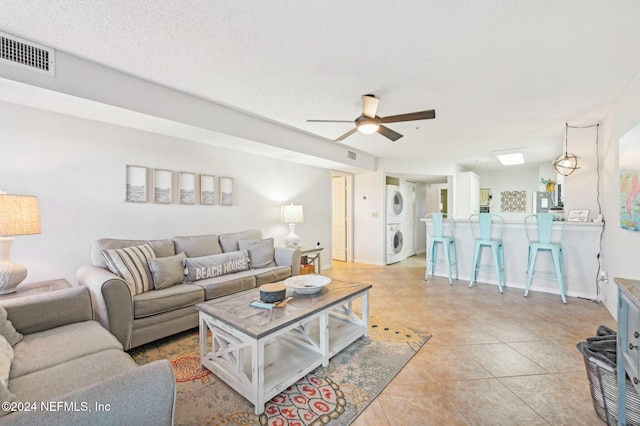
column 307, row 284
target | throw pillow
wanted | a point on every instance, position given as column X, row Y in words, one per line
column 6, row 359
column 7, row 330
column 260, row 252
column 131, row 265
column 167, row 271
column 200, row 268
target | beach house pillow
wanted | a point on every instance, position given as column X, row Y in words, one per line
column 7, row 330
column 131, row 264
column 200, row 268
column 260, row 252
column 167, row 271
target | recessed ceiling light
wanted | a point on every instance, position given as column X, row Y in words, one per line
column 511, row 157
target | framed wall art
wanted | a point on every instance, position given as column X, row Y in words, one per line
column 629, row 169
column 578, row 215
column 162, row 186
column 207, row 190
column 136, row 184
column 226, row 191
column 187, row 187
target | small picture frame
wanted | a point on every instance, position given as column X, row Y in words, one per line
column 136, row 184
column 207, row 190
column 578, row 215
column 162, row 186
column 226, row 191
column 187, row 188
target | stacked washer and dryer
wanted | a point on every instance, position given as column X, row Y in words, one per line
column 395, row 207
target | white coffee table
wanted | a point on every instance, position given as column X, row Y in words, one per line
column 259, row 353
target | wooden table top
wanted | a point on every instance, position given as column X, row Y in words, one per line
column 235, row 310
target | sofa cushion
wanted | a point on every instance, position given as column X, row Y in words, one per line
column 228, row 284
column 167, row 271
column 162, row 248
column 167, row 299
column 7, row 330
column 260, row 252
column 58, row 345
column 272, row 275
column 199, row 268
column 58, row 379
column 197, row 246
column 229, row 242
column 131, row 264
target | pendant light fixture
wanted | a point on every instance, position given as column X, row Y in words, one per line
column 566, row 163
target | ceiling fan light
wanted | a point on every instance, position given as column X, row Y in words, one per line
column 368, row 127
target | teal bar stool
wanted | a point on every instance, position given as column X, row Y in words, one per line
column 542, row 241
column 487, row 233
column 440, row 230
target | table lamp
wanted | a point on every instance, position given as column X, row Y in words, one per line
column 292, row 214
column 19, row 215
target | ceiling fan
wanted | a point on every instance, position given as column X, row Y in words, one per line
column 368, row 122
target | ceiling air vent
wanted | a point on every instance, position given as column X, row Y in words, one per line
column 351, row 155
column 26, row 54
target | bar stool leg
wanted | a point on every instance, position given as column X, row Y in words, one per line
column 476, row 262
column 496, row 259
column 445, row 245
column 533, row 252
column 557, row 260
column 501, row 254
column 455, row 257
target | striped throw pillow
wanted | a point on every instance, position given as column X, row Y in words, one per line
column 130, row 264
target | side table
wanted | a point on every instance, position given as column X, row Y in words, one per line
column 28, row 289
column 312, row 256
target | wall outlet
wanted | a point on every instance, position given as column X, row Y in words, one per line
column 604, row 277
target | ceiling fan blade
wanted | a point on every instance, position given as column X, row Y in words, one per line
column 369, row 106
column 346, row 135
column 421, row 115
column 329, row 121
column 388, row 133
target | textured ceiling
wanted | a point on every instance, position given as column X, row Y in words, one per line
column 500, row 74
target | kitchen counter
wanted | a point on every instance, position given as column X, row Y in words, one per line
column 581, row 246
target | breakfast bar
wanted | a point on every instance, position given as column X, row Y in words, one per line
column 581, row 247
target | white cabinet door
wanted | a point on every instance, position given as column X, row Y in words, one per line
column 466, row 195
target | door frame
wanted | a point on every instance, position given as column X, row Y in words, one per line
column 349, row 211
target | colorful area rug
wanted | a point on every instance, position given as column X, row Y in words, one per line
column 333, row 395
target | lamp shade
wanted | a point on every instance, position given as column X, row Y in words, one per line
column 19, row 215
column 292, row 213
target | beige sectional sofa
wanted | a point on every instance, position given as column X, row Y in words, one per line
column 217, row 265
column 66, row 369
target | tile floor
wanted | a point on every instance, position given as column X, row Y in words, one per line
column 492, row 359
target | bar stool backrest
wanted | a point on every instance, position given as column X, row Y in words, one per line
column 441, row 225
column 486, row 226
column 544, row 223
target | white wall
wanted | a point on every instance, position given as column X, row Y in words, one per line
column 620, row 247
column 514, row 178
column 76, row 167
column 369, row 218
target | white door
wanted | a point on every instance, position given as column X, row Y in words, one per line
column 410, row 227
column 339, row 193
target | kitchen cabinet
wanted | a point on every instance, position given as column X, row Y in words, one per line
column 466, row 195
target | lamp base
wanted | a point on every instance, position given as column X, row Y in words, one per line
column 11, row 273
column 292, row 240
